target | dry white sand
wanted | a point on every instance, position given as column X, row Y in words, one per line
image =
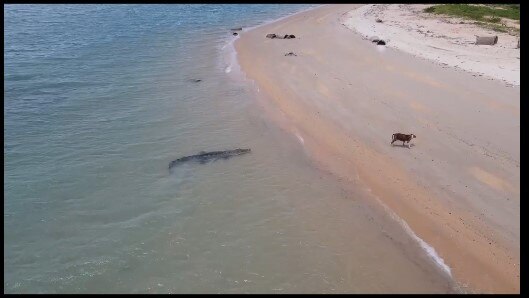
column 441, row 39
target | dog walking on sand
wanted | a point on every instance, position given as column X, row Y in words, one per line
column 403, row 138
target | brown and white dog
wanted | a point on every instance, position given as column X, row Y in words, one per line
column 403, row 138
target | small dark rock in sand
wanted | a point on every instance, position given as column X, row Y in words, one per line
column 381, row 43
column 378, row 20
column 286, row 36
column 290, row 54
column 235, row 33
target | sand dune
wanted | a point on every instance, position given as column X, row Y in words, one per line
column 447, row 41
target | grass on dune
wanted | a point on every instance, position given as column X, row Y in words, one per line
column 486, row 13
column 488, row 16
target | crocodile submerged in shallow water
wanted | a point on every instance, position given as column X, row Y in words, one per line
column 204, row 157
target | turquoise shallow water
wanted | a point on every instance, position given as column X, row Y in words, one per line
column 98, row 99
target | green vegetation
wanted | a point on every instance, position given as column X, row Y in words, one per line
column 494, row 20
column 495, row 27
column 488, row 16
column 430, row 9
column 500, row 28
column 485, row 13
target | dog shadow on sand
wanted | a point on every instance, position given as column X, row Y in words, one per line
column 403, row 146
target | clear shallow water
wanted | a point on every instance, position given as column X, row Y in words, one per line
column 98, row 100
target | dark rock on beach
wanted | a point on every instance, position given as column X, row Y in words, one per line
column 377, row 40
column 286, row 36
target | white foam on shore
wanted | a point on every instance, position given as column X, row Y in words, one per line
column 425, row 246
column 430, row 251
column 229, row 55
column 300, row 138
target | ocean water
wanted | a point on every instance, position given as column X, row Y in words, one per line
column 98, row 99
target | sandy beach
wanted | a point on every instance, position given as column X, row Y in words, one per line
column 447, row 41
column 458, row 185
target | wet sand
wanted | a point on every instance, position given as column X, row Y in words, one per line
column 457, row 186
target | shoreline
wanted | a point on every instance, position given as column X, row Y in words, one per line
column 228, row 49
column 297, row 98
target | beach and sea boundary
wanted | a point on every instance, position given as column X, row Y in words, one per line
column 100, row 99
